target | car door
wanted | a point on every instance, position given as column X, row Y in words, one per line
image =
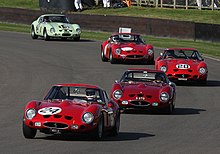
column 109, row 113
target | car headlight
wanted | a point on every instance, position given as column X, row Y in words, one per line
column 202, row 70
column 78, row 30
column 52, row 30
column 164, row 97
column 118, row 51
column 150, row 51
column 88, row 117
column 163, row 68
column 117, row 94
column 30, row 113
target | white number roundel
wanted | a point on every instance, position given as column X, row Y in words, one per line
column 49, row 110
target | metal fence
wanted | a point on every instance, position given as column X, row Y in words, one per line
column 186, row 4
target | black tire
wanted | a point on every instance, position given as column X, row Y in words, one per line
column 115, row 129
column 77, row 38
column 99, row 131
column 169, row 109
column 46, row 37
column 112, row 60
column 29, row 132
column 33, row 34
column 151, row 62
column 104, row 59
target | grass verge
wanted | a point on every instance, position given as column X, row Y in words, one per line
column 193, row 15
column 209, row 48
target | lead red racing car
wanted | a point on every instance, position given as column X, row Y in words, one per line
column 77, row 108
column 183, row 64
column 126, row 47
column 145, row 89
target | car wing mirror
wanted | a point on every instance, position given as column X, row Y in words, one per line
column 116, row 81
column 172, row 84
column 161, row 54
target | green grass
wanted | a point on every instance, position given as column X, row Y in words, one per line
column 194, row 15
column 209, row 48
column 30, row 4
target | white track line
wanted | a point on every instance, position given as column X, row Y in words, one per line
column 212, row 58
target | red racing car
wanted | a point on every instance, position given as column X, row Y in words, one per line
column 128, row 47
column 145, row 89
column 78, row 108
column 185, row 64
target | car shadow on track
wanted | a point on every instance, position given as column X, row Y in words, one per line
column 187, row 111
column 177, row 111
column 122, row 136
column 210, row 83
column 67, row 40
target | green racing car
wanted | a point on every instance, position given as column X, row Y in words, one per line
column 54, row 26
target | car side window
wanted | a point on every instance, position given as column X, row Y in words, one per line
column 106, row 99
column 40, row 20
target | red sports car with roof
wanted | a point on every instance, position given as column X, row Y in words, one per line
column 182, row 64
column 128, row 47
column 78, row 108
column 144, row 89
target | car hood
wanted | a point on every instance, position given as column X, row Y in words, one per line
column 148, row 88
column 61, row 26
column 131, row 46
column 65, row 107
column 175, row 63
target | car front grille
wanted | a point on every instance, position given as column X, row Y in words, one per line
column 55, row 125
column 140, row 103
column 66, row 34
column 134, row 56
column 182, row 75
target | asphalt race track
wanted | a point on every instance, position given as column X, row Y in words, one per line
column 28, row 68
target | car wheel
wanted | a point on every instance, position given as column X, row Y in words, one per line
column 46, row 37
column 28, row 132
column 111, row 58
column 99, row 131
column 77, row 38
column 33, row 35
column 169, row 109
column 115, row 129
column 151, row 62
column 104, row 59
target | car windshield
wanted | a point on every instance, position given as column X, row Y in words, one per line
column 184, row 54
column 127, row 38
column 72, row 92
column 62, row 19
column 143, row 76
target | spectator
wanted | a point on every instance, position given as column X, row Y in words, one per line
column 78, row 5
column 216, row 3
column 106, row 3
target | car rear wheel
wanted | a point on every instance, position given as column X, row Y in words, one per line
column 99, row 131
column 28, row 132
column 46, row 37
column 33, row 35
column 104, row 59
column 115, row 129
column 111, row 58
column 151, row 62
